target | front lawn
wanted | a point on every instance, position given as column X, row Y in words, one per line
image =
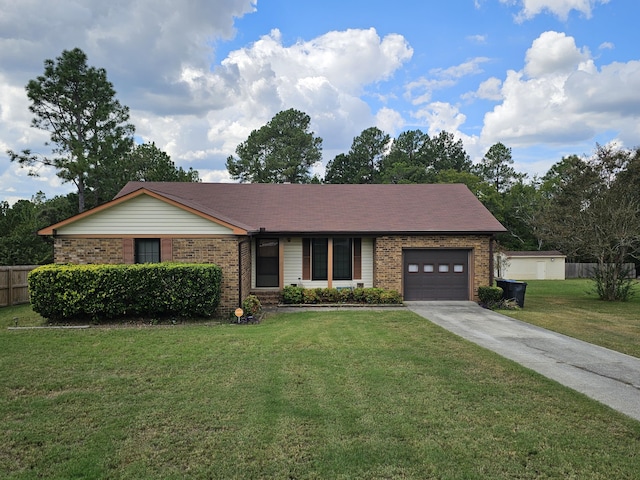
column 570, row 307
column 343, row 394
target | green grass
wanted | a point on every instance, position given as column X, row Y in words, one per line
column 341, row 395
column 20, row 315
column 570, row 307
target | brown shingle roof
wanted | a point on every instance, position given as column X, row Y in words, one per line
column 294, row 208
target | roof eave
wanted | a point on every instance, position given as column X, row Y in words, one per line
column 371, row 233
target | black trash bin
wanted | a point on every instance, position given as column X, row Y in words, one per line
column 513, row 290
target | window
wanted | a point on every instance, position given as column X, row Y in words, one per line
column 342, row 259
column 319, row 258
column 346, row 258
column 458, row 268
column 427, row 268
column 413, row 268
column 443, row 268
column 147, row 250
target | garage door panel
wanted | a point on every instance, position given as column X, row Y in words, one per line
column 436, row 274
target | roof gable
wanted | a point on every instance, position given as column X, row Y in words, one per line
column 144, row 213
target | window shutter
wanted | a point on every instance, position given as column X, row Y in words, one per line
column 306, row 259
column 166, row 249
column 357, row 258
column 127, row 250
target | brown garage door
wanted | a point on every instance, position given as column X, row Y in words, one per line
column 436, row 274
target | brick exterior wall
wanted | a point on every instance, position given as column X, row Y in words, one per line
column 88, row 250
column 245, row 268
column 222, row 251
column 388, row 268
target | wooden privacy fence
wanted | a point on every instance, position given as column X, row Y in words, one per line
column 14, row 288
column 584, row 270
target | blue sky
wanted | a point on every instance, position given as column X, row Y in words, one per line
column 547, row 78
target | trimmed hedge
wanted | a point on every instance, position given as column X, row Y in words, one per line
column 293, row 295
column 63, row 292
column 490, row 296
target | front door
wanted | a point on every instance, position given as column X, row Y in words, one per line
column 267, row 262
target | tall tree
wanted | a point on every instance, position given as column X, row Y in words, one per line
column 444, row 152
column 19, row 242
column 496, row 168
column 144, row 163
column 76, row 104
column 362, row 163
column 414, row 157
column 284, row 150
column 593, row 213
column 342, row 170
column 407, row 159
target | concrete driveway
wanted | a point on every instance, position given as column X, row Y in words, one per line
column 609, row 377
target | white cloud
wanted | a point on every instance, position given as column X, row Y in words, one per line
column 479, row 39
column 441, row 116
column 161, row 60
column 389, row 121
column 559, row 8
column 490, row 89
column 553, row 53
column 561, row 97
column 421, row 90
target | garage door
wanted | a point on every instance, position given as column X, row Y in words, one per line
column 436, row 274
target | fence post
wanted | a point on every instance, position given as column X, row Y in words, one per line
column 10, row 286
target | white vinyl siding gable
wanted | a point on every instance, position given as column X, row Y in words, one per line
column 144, row 215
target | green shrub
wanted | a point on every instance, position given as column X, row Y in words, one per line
column 330, row 295
column 300, row 295
column 310, row 295
column 359, row 295
column 490, row 296
column 372, row 295
column 61, row 292
column 251, row 305
column 390, row 297
column 345, row 295
column 292, row 295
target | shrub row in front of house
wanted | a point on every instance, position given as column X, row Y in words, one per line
column 300, row 295
column 100, row 292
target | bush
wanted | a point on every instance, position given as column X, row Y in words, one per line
column 390, row 297
column 310, row 295
column 329, row 295
column 61, row 292
column 346, row 295
column 293, row 295
column 613, row 282
column 252, row 306
column 359, row 295
column 490, row 296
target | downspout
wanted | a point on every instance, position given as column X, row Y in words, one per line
column 491, row 266
column 240, row 270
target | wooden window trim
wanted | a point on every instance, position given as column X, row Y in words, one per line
column 306, row 259
column 357, row 259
